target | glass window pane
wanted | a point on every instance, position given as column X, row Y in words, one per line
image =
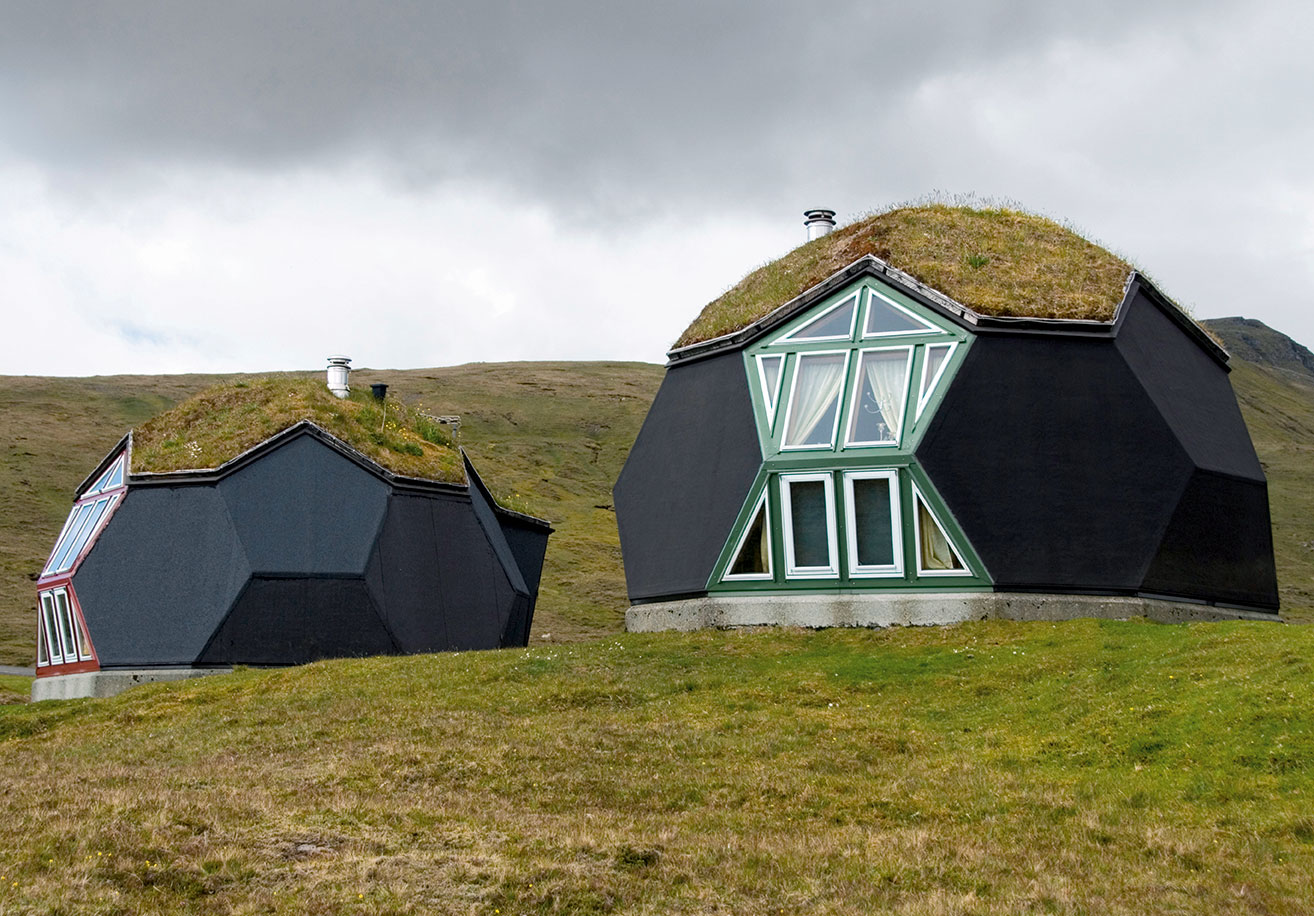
column 770, row 380
column 115, row 478
column 814, row 400
column 885, row 318
column 882, row 390
column 934, row 550
column 754, row 554
column 872, row 521
column 835, row 324
column 84, row 534
column 52, row 631
column 84, row 643
column 42, row 657
column 935, row 357
column 70, row 536
column 810, row 520
column 65, row 624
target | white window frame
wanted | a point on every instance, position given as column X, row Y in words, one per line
column 792, row 570
column 771, row 399
column 855, row 297
column 920, row 500
column 53, row 618
column 857, row 570
column 829, row 444
column 856, row 395
column 770, row 573
column 104, row 483
column 925, row 390
column 928, row 327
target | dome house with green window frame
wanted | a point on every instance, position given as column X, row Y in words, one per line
column 938, row 414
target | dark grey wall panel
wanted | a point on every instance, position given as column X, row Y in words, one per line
column 686, row 477
column 1055, row 462
column 305, row 508
column 1219, row 545
column 297, row 620
column 161, row 576
column 1191, row 391
column 437, row 581
column 529, row 546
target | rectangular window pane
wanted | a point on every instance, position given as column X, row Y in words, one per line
column 84, row 534
column 65, row 625
column 52, row 629
column 75, row 520
column 814, row 400
column 810, row 520
column 872, row 522
column 882, row 389
column 43, row 656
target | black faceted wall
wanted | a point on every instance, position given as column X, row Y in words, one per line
column 303, row 553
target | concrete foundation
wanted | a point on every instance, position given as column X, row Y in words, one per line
column 911, row 609
column 111, row 682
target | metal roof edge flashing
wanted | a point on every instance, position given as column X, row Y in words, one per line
column 1138, row 282
column 282, row 437
column 474, row 480
column 867, row 265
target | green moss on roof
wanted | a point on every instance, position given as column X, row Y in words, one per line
column 995, row 261
column 221, row 423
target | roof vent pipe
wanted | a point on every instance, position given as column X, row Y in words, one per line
column 819, row 222
column 379, row 390
column 339, row 367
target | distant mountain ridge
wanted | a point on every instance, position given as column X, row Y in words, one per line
column 1255, row 342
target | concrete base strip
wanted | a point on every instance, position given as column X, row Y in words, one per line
column 911, row 609
column 111, row 682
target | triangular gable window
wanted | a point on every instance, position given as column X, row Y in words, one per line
column 112, row 478
column 836, row 323
column 753, row 558
column 937, row 359
column 769, row 373
column 936, row 554
column 887, row 318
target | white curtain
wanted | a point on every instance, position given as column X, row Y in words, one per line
column 816, row 386
column 885, row 373
column 936, row 552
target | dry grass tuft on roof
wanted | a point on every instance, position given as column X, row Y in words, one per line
column 996, row 261
column 220, row 423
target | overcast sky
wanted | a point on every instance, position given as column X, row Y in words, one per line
column 244, row 186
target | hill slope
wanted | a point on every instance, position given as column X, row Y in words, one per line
column 557, row 435
column 989, row 768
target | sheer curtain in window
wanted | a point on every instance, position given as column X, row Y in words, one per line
column 885, row 374
column 817, row 383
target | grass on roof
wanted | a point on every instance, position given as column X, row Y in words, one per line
column 222, row 422
column 996, row 261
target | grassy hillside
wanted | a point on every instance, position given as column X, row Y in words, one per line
column 993, row 768
column 550, row 437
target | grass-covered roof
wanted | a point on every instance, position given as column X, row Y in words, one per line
column 996, row 261
column 222, row 422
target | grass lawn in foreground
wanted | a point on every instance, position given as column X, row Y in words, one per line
column 993, row 768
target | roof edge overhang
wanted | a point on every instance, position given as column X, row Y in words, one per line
column 953, row 310
column 282, row 437
column 474, row 480
column 399, row 482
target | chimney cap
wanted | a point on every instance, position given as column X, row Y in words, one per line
column 819, row 222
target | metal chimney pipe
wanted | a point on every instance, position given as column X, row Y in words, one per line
column 339, row 367
column 819, row 222
column 380, row 390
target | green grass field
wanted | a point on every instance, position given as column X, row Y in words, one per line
column 992, row 768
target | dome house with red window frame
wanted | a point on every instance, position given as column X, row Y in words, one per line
column 942, row 413
column 277, row 521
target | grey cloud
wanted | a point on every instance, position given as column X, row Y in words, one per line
column 607, row 106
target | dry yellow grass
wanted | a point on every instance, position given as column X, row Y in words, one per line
column 996, row 261
column 221, row 422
